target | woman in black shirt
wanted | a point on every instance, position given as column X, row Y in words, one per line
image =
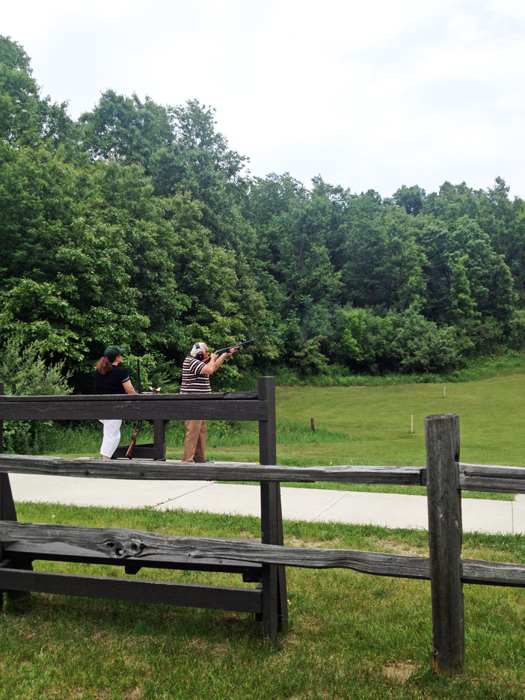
column 111, row 379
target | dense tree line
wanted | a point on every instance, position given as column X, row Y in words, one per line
column 137, row 224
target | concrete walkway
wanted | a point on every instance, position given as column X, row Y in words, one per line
column 315, row 505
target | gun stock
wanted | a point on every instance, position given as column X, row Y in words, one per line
column 132, row 444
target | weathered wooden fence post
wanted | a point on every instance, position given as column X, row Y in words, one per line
column 445, row 535
column 7, row 506
column 2, row 392
column 274, row 596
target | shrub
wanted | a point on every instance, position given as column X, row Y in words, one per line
column 25, row 373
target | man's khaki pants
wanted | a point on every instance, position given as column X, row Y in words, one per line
column 195, row 443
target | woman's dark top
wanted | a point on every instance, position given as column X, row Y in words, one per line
column 112, row 381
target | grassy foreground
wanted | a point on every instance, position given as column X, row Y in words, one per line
column 350, row 635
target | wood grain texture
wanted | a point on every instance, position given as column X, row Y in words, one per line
column 491, row 470
column 225, row 471
column 121, row 544
column 445, row 537
column 118, row 546
column 499, row 479
column 492, row 573
column 497, row 485
column 21, row 551
column 274, row 591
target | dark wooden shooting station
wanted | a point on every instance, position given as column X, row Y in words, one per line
column 268, row 601
column 265, row 561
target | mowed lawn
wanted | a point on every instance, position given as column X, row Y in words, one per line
column 377, row 420
column 371, row 425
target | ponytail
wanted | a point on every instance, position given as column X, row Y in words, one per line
column 104, row 365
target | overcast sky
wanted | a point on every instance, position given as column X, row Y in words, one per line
column 371, row 95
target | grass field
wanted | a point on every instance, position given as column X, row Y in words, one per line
column 351, row 636
column 360, row 425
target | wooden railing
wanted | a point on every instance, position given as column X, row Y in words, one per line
column 268, row 601
column 444, row 477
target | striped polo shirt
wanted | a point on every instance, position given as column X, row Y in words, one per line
column 193, row 382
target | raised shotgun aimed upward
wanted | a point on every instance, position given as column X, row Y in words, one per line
column 230, row 347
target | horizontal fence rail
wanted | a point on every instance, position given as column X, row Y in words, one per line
column 90, row 398
column 219, row 471
column 162, row 593
column 472, row 477
column 121, row 544
column 484, row 477
column 240, row 406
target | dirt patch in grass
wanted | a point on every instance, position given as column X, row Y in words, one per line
column 247, row 535
column 297, row 542
column 208, row 651
column 401, row 671
column 388, row 545
column 409, row 550
column 133, row 694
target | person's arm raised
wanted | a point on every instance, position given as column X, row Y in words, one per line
column 216, row 361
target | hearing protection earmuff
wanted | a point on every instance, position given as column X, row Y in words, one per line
column 198, row 351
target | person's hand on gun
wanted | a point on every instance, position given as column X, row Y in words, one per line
column 229, row 351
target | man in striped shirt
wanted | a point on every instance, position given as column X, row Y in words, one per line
column 196, row 371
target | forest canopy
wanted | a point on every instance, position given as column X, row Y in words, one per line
column 137, row 224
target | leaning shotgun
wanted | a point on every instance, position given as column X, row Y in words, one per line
column 237, row 345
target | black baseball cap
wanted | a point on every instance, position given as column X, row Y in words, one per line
column 113, row 351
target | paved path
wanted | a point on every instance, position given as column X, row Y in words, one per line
column 315, row 505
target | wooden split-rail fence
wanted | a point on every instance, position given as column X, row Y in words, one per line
column 262, row 562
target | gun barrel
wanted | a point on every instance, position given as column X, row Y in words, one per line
column 236, row 345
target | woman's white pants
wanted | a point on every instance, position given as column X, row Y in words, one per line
column 111, row 437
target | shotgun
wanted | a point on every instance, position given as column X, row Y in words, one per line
column 131, row 448
column 237, row 345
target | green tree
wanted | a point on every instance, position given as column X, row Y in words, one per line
column 25, row 117
column 383, row 262
column 419, row 345
column 411, row 198
column 362, row 339
column 126, row 130
column 21, row 111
